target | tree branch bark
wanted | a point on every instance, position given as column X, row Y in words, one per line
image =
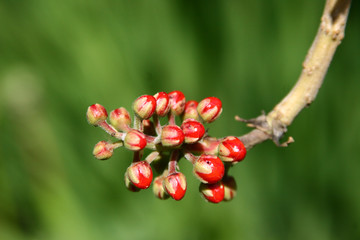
column 330, row 33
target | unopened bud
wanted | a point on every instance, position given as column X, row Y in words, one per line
column 103, row 150
column 172, row 136
column 120, row 119
column 175, row 185
column 95, row 114
column 177, row 102
column 231, row 149
column 229, row 188
column 135, row 140
column 193, row 130
column 191, row 110
column 144, row 106
column 140, row 174
column 158, row 188
column 209, row 169
column 129, row 185
column 212, row 192
column 162, row 103
column 209, row 109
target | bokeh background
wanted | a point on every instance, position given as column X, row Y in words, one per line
column 59, row 57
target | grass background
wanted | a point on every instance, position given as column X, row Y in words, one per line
column 58, row 57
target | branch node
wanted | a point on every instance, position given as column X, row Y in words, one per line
column 259, row 122
column 273, row 128
column 286, row 143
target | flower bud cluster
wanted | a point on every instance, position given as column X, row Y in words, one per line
column 211, row 157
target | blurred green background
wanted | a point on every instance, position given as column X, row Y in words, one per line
column 59, row 57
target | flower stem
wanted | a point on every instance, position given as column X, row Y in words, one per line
column 190, row 157
column 157, row 124
column 152, row 156
column 171, row 117
column 174, row 157
column 138, row 124
column 112, row 131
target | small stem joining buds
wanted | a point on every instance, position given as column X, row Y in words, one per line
column 174, row 158
column 152, row 157
column 207, row 145
column 190, row 157
column 111, row 130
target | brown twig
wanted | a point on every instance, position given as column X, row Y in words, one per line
column 330, row 33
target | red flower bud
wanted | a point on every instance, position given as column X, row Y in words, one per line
column 231, row 149
column 209, row 109
column 95, row 114
column 140, row 174
column 129, row 185
column 229, row 188
column 209, row 168
column 172, row 136
column 120, row 119
column 135, row 140
column 191, row 110
column 175, row 185
column 158, row 188
column 103, row 150
column 162, row 103
column 193, row 130
column 144, row 106
column 212, row 192
column 177, row 102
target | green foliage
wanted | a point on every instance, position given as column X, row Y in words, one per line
column 58, row 57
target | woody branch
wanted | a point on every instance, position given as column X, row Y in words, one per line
column 330, row 34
